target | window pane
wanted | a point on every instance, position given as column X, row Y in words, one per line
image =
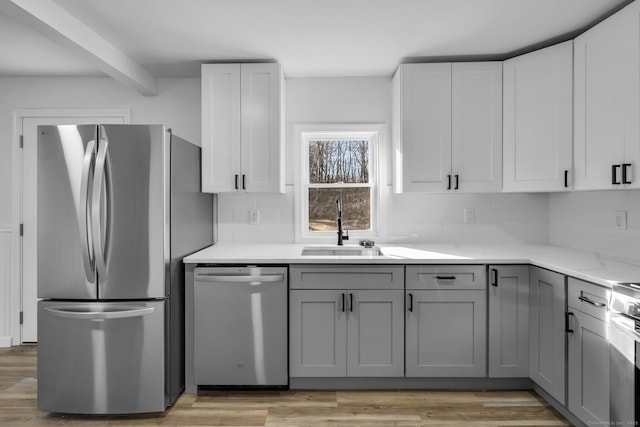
column 356, row 209
column 338, row 161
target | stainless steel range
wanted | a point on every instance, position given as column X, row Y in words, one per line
column 624, row 353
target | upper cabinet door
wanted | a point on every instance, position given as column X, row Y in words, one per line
column 607, row 102
column 242, row 125
column 538, row 105
column 422, row 127
column 477, row 126
column 220, row 127
column 262, row 88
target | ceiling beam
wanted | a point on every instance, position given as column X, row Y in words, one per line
column 48, row 18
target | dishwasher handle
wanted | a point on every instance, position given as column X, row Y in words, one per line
column 203, row 277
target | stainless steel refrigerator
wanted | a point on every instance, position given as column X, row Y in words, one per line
column 119, row 206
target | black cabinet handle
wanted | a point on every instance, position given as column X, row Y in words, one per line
column 448, row 182
column 566, row 178
column 411, row 303
column 343, row 305
column 351, row 303
column 244, row 178
column 567, row 321
column 494, row 277
column 614, row 175
column 445, row 277
column 625, row 175
column 236, row 185
column 457, row 182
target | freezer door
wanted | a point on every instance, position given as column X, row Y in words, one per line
column 130, row 211
column 65, row 260
column 101, row 358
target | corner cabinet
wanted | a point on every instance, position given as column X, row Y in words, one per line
column 547, row 338
column 446, row 321
column 447, row 127
column 538, row 120
column 346, row 321
column 508, row 321
column 607, row 103
column 242, row 128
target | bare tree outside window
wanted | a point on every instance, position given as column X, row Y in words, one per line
column 339, row 167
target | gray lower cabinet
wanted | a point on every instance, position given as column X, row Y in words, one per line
column 446, row 322
column 547, row 338
column 347, row 330
column 508, row 321
column 588, row 347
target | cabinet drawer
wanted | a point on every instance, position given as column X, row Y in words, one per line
column 346, row 277
column 589, row 298
column 446, row 277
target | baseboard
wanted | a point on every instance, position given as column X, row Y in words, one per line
column 5, row 342
column 411, row 383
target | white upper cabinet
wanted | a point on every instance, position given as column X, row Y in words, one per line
column 242, row 128
column 447, row 127
column 607, row 102
column 538, row 133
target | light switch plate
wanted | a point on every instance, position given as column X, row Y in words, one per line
column 469, row 215
column 620, row 220
column 254, row 217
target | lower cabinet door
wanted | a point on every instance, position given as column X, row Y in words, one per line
column 375, row 333
column 547, row 352
column 317, row 333
column 588, row 368
column 446, row 333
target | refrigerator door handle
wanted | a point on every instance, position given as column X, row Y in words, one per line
column 100, row 222
column 100, row 315
column 84, row 214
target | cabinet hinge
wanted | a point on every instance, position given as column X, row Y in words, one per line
column 21, row 141
column 21, row 229
column 21, row 317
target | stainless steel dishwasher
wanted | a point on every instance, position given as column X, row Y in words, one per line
column 240, row 326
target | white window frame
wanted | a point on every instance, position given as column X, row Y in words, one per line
column 305, row 133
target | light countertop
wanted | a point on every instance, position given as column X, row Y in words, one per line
column 589, row 266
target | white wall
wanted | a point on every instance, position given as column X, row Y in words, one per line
column 177, row 106
column 500, row 218
column 586, row 220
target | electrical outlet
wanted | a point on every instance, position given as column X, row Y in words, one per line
column 254, row 217
column 620, row 220
column 469, row 215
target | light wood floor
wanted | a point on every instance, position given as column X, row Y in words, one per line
column 286, row 408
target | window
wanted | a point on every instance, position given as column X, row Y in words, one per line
column 339, row 163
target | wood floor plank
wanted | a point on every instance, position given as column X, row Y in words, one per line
column 284, row 408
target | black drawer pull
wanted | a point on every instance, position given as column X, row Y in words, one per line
column 411, row 303
column 589, row 301
column 351, row 303
column 343, row 306
column 236, row 184
column 445, row 277
column 566, row 178
column 448, row 182
column 457, row 182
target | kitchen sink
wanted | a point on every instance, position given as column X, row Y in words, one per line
column 341, row 251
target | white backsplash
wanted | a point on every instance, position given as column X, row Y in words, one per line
column 587, row 220
column 407, row 218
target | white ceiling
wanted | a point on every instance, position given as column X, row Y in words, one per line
column 171, row 38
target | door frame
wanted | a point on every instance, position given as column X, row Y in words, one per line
column 17, row 261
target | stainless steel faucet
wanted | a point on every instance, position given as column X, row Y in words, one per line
column 341, row 236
